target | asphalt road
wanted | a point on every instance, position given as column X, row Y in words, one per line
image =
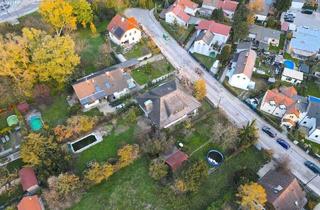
column 237, row 111
column 18, row 10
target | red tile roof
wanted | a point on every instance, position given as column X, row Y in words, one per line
column 214, row 27
column 28, row 178
column 283, row 97
column 187, row 3
column 227, row 5
column 124, row 23
column 30, row 203
column 178, row 10
column 176, row 159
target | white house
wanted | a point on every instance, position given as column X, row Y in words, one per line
column 292, row 76
column 241, row 70
column 228, row 6
column 110, row 85
column 211, row 36
column 180, row 12
column 311, row 119
column 284, row 103
column 124, row 31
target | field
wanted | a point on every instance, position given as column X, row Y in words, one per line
column 147, row 73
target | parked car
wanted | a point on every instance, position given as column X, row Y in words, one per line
column 313, row 167
column 307, row 11
column 283, row 143
column 269, row 131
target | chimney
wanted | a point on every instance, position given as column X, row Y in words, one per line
column 92, row 80
column 149, row 105
column 122, row 19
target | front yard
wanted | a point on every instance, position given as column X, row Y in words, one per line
column 204, row 60
column 180, row 34
column 138, row 50
column 143, row 75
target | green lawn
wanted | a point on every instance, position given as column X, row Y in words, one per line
column 92, row 59
column 178, row 33
column 132, row 188
column 311, row 88
column 289, row 57
column 57, row 112
column 281, row 44
column 205, row 60
column 105, row 149
column 138, row 50
column 15, row 165
column 147, row 73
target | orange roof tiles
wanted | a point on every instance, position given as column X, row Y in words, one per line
column 214, row 27
column 187, row 3
column 125, row 24
column 178, row 10
column 283, row 97
column 30, row 203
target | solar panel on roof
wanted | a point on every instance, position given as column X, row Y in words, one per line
column 118, row 32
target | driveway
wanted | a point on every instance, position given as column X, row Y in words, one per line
column 236, row 111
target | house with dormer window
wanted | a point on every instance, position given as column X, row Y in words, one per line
column 284, row 103
column 110, row 85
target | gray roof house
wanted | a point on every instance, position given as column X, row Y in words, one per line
column 265, row 36
column 167, row 104
column 283, row 190
column 311, row 120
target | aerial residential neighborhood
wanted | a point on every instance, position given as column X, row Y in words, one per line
column 151, row 104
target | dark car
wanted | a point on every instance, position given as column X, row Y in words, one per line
column 269, row 131
column 307, row 11
column 313, row 167
column 283, row 143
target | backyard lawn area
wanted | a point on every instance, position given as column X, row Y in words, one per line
column 105, row 149
column 180, row 34
column 92, row 56
column 147, row 73
column 311, row 89
column 204, row 60
column 57, row 112
column 132, row 187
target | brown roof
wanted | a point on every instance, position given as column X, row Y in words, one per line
column 283, row 190
column 245, row 63
column 30, row 203
column 120, row 22
column 102, row 85
column 28, row 178
column 176, row 159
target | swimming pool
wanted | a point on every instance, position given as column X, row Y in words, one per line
column 84, row 142
column 289, row 64
column 35, row 123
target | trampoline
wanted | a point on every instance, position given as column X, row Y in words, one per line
column 214, row 158
column 12, row 120
column 288, row 64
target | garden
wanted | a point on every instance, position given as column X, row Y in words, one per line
column 179, row 33
column 134, row 188
column 147, row 73
column 206, row 61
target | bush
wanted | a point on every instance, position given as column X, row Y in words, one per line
column 243, row 176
